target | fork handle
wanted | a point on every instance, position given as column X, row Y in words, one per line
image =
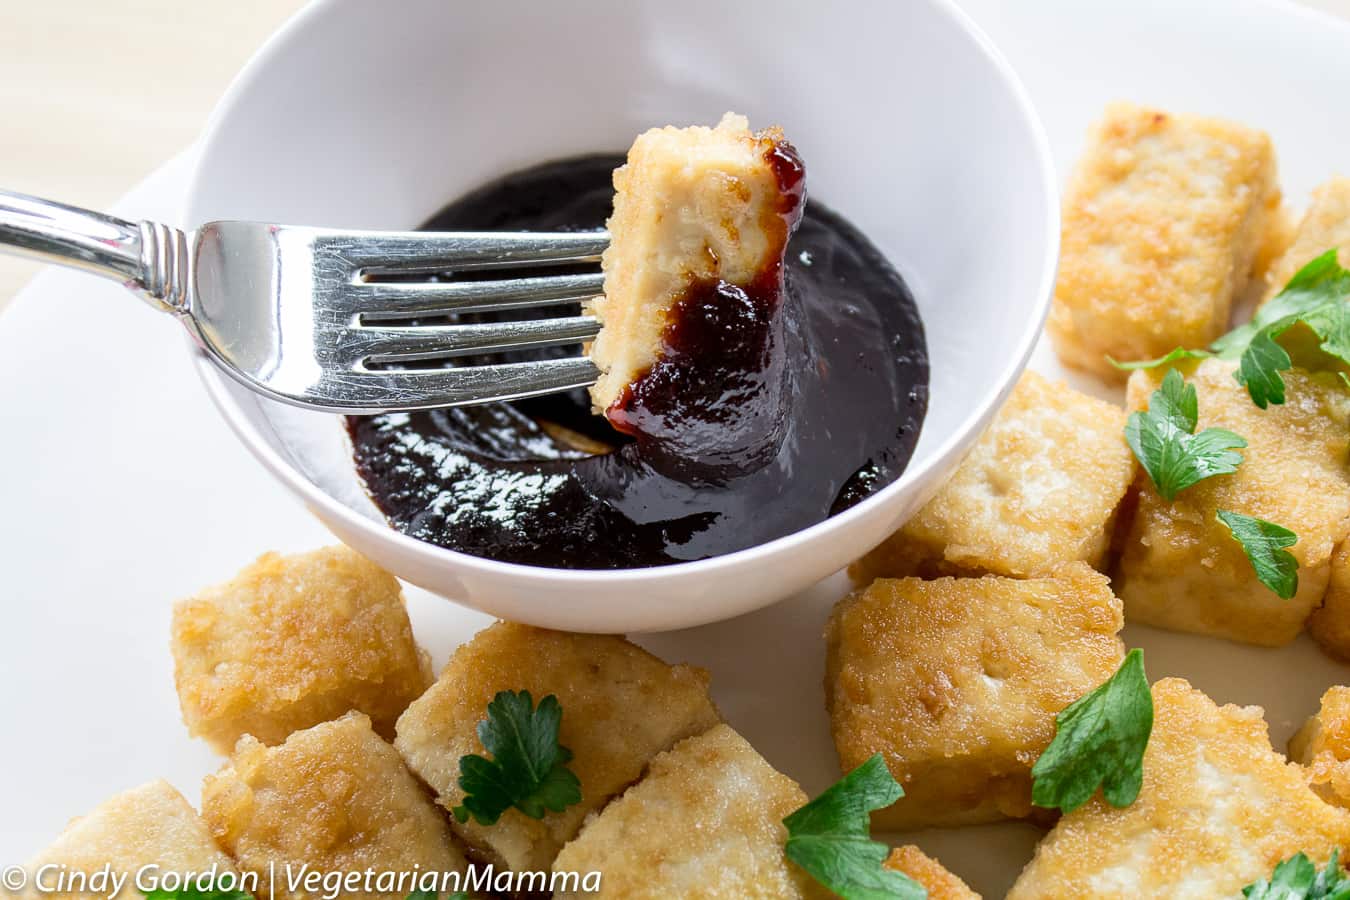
column 149, row 258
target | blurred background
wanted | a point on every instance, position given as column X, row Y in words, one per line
column 95, row 95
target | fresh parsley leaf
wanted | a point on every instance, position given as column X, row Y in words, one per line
column 1259, row 370
column 1176, row 355
column 1264, row 544
column 1331, row 322
column 528, row 770
column 830, row 837
column 1297, row 878
column 1316, row 296
column 1176, row 402
column 1164, row 442
column 200, row 890
column 1331, row 881
column 1099, row 740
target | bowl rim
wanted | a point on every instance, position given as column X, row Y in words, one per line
column 957, row 444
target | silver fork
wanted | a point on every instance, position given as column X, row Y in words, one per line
column 294, row 313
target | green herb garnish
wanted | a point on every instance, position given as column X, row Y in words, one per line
column 528, row 770
column 1315, row 296
column 1164, row 441
column 1297, row 878
column 830, row 837
column 1176, row 355
column 1099, row 741
column 1264, row 544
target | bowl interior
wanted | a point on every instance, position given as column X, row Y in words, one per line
column 367, row 115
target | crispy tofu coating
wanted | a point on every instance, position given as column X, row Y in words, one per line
column 1164, row 218
column 940, row 883
column 957, row 683
column 690, row 204
column 1322, row 747
column 1218, row 809
column 1329, row 624
column 704, row 823
column 620, row 707
column 336, row 797
column 151, row 825
column 1039, row 489
column 1325, row 226
column 1281, row 227
column 1181, row 568
column 292, row 641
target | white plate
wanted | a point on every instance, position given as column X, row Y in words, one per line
column 121, row 490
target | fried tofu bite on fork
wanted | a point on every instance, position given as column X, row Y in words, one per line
column 1039, row 489
column 1218, row 810
column 620, row 707
column 691, row 204
column 1164, row 219
column 957, row 682
column 151, row 825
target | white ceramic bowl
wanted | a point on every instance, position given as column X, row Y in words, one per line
column 911, row 124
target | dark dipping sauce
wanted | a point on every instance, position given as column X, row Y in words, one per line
column 774, row 406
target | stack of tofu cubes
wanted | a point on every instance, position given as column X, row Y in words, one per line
column 985, row 615
column 344, row 755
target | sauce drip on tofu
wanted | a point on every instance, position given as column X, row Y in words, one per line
column 715, row 404
column 835, row 421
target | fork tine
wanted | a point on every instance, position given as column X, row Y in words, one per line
column 375, row 301
column 430, row 251
column 426, row 389
column 394, row 344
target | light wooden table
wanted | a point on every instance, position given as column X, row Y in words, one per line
column 95, row 95
column 88, row 113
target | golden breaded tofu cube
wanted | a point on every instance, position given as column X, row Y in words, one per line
column 335, row 797
column 1181, row 568
column 149, row 826
column 292, row 641
column 705, row 822
column 957, row 683
column 1322, row 747
column 1163, row 220
column 935, row 878
column 1279, row 235
column 691, row 204
column 1218, row 810
column 620, row 707
column 1325, row 226
column 1040, row 488
column 1329, row 624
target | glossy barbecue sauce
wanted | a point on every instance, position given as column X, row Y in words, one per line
column 773, row 406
